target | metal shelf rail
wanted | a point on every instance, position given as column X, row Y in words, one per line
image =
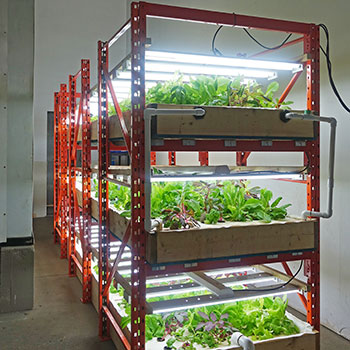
column 65, row 204
column 71, row 221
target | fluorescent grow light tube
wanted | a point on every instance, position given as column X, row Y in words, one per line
column 150, row 77
column 168, row 178
column 208, row 300
column 206, row 60
column 200, row 288
column 208, row 70
column 179, row 277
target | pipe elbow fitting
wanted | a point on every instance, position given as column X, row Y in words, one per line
column 244, row 342
column 305, row 214
column 317, row 214
column 333, row 121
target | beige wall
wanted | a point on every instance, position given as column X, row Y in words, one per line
column 62, row 40
column 65, row 32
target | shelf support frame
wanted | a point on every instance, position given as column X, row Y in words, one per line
column 64, row 210
column 103, row 161
column 139, row 13
column 85, row 234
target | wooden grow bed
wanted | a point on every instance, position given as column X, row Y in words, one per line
column 218, row 122
column 306, row 341
column 221, row 240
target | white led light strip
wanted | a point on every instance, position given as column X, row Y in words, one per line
column 208, row 70
column 207, row 60
column 224, row 301
column 165, row 178
column 200, row 288
column 181, row 277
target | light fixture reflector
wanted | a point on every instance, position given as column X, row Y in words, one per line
column 207, row 300
column 208, row 60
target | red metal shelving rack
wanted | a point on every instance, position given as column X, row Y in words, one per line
column 139, row 13
column 61, row 199
column 134, row 143
column 70, row 221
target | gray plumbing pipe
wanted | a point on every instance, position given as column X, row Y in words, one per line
column 333, row 124
column 148, row 114
column 244, row 342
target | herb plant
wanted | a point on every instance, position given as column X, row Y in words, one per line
column 184, row 204
column 209, row 91
column 214, row 91
column 212, row 326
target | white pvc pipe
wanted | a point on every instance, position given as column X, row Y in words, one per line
column 333, row 124
column 148, row 114
column 244, row 342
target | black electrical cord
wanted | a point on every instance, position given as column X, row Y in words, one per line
column 216, row 51
column 326, row 53
column 274, row 288
column 266, row 47
column 329, row 67
column 307, row 166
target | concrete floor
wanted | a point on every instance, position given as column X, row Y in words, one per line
column 59, row 320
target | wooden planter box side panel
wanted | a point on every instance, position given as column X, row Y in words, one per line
column 234, row 241
column 305, row 342
column 117, row 223
column 115, row 131
column 228, row 122
column 234, row 122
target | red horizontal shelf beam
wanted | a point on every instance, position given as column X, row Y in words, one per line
column 222, row 18
column 219, row 145
column 93, row 148
column 77, row 263
column 226, row 263
column 113, row 147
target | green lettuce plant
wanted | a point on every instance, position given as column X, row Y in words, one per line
column 209, row 91
column 212, row 326
column 184, row 204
